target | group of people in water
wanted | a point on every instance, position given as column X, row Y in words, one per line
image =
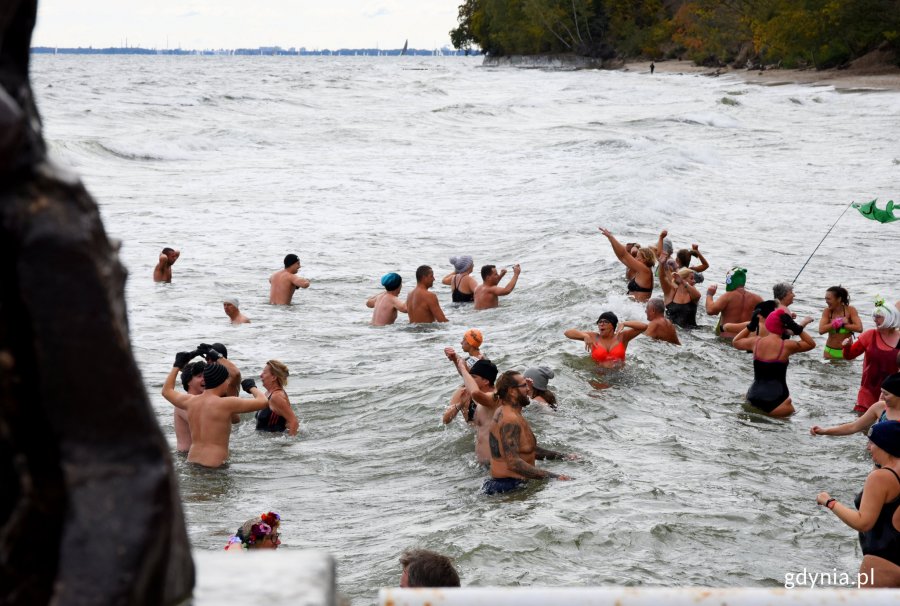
column 492, row 403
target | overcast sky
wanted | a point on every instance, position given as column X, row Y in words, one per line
column 199, row 24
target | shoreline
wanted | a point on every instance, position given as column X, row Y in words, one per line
column 874, row 78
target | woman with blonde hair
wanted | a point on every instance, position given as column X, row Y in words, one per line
column 278, row 415
column 641, row 284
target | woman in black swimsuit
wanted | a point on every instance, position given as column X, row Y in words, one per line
column 278, row 415
column 680, row 295
column 769, row 391
column 461, row 282
column 877, row 513
column 641, row 285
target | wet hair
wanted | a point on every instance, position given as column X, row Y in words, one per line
column 280, row 371
column 781, row 290
column 548, row 396
column 683, row 256
column 167, row 250
column 486, row 270
column 646, row 254
column 422, row 271
column 841, row 293
column 190, row 371
column 428, row 569
column 505, row 382
column 657, row 304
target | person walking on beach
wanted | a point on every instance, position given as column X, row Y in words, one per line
column 462, row 284
column 232, row 310
column 163, row 270
column 513, row 446
column 652, row 67
column 658, row 326
column 209, row 413
column 285, row 281
column 387, row 304
column 487, row 294
column 736, row 305
column 422, row 305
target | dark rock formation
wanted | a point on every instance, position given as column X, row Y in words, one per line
column 89, row 508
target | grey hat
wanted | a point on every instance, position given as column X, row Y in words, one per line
column 539, row 376
column 461, row 263
column 667, row 246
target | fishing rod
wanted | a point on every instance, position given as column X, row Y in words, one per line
column 820, row 243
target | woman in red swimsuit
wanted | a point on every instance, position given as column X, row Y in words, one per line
column 880, row 345
column 607, row 346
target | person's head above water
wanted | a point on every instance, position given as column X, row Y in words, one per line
column 391, row 281
column 540, row 377
column 646, row 256
column 488, row 272
column 889, row 314
column 610, row 317
column 291, row 259
column 191, row 372
column 214, row 375
column 735, row 278
column 838, row 294
column 656, row 307
column 473, row 337
column 259, row 533
column 485, row 369
column 423, row 568
column 783, row 292
column 886, row 436
column 423, row 274
column 891, row 384
column 774, row 323
column 462, row 263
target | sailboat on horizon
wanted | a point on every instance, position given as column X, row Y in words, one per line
column 405, row 46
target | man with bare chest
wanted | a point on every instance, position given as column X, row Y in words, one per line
column 284, row 282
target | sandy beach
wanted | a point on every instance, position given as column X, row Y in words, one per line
column 860, row 75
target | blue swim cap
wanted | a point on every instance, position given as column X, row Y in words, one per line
column 391, row 281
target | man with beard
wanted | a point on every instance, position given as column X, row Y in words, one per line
column 513, row 446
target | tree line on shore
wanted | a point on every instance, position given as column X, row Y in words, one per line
column 789, row 33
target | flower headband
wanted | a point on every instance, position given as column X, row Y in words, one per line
column 258, row 530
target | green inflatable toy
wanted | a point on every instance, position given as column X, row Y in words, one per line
column 870, row 211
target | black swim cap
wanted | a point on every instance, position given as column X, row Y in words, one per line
column 214, row 375
column 886, row 435
column 892, row 384
column 290, row 260
column 609, row 317
column 220, row 348
column 485, row 369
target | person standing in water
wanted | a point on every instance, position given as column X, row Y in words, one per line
column 422, row 305
column 769, row 391
column 658, row 326
column 880, row 345
column 475, row 399
column 680, row 295
column 278, row 416
column 285, row 281
column 736, row 305
column 641, row 284
column 486, row 295
column 388, row 303
column 233, row 311
column 163, row 270
column 462, row 284
column 607, row 346
column 839, row 319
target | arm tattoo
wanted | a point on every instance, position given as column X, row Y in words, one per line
column 510, row 434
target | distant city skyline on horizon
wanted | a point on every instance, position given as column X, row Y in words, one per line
column 230, row 24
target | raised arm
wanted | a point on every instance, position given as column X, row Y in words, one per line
column 666, row 280
column 695, row 252
column 805, row 343
column 176, row 398
column 510, row 435
column 448, row 279
column 745, row 339
column 633, row 329
column 715, row 307
column 621, row 254
column 299, row 282
column 660, row 243
column 456, row 405
column 236, row 404
column 485, row 399
column 500, row 292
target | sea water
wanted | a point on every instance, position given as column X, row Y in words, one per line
column 363, row 166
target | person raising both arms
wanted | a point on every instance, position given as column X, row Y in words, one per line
column 885, row 409
column 839, row 319
column 388, row 303
column 209, row 413
column 769, row 391
column 641, row 285
column 607, row 346
column 736, row 305
column 462, row 284
column 880, row 345
column 680, row 295
column 285, row 281
column 163, row 270
column 514, row 448
column 486, row 295
column 877, row 513
column 475, row 399
column 422, row 305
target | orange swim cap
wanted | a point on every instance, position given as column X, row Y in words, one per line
column 473, row 337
